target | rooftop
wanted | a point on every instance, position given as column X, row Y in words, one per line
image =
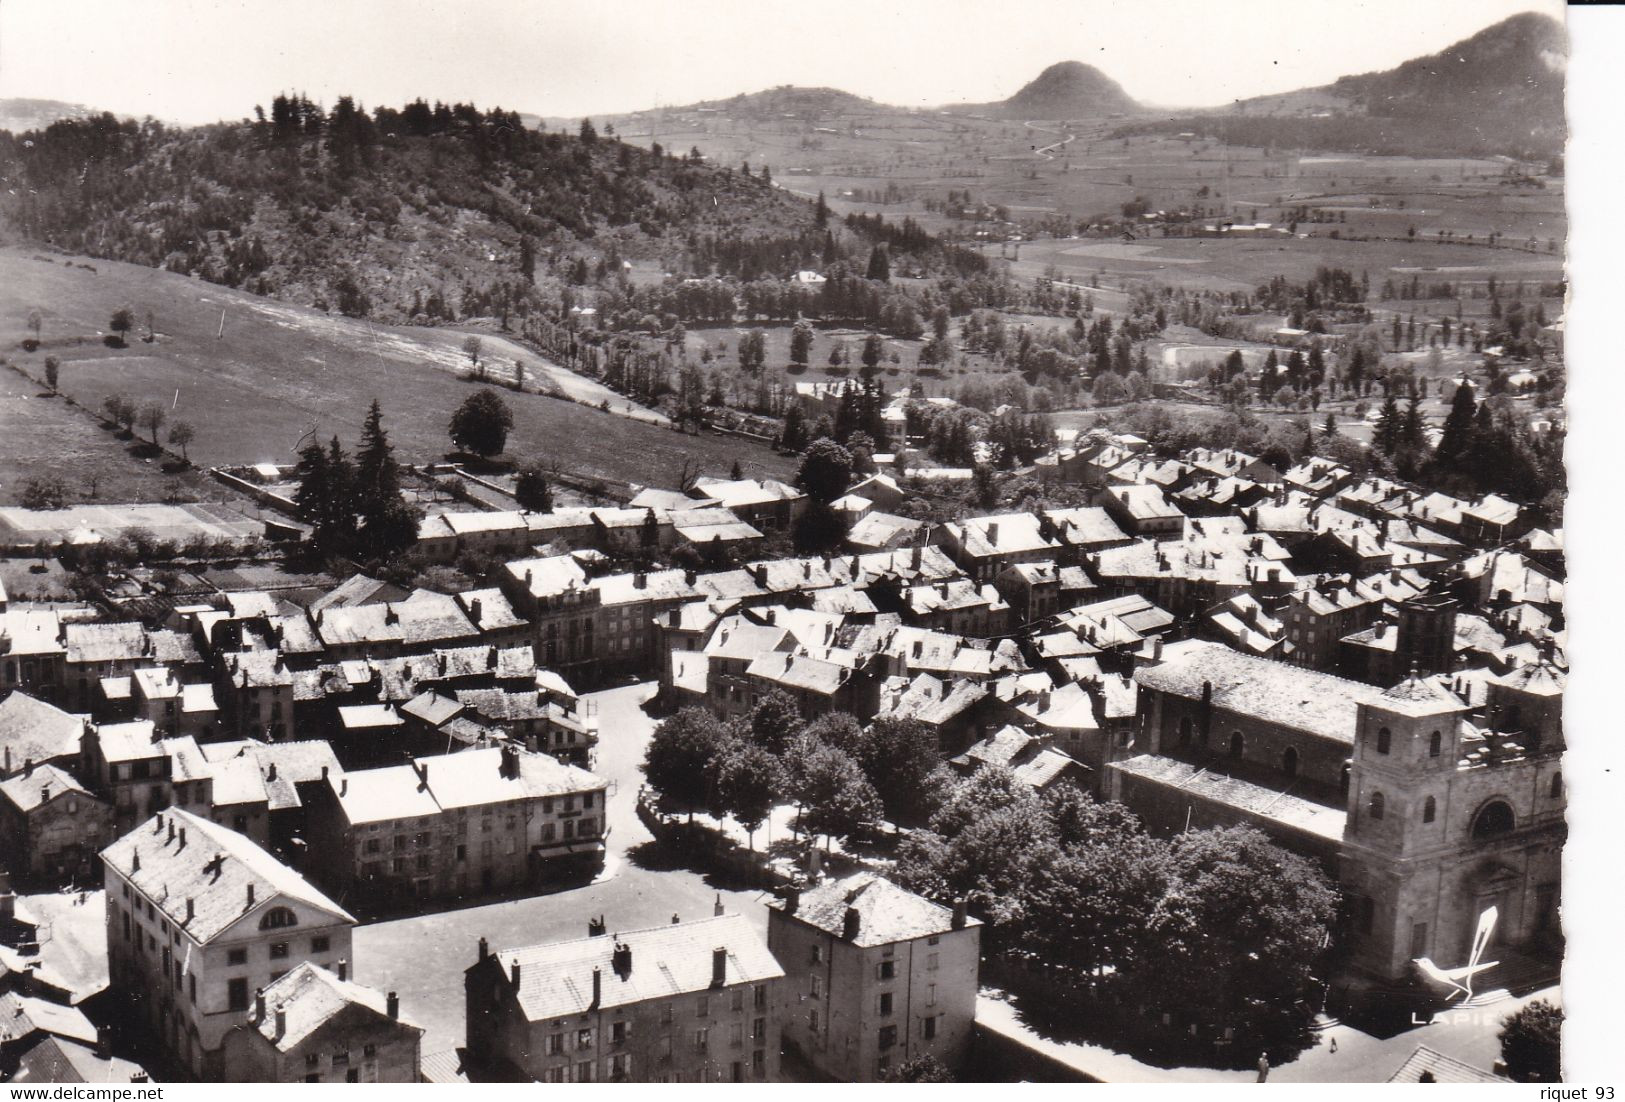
column 309, row 997
column 887, row 914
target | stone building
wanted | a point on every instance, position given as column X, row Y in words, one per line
column 317, row 1026
column 875, row 976
column 692, row 1002
column 51, row 828
column 198, row 918
column 1426, row 815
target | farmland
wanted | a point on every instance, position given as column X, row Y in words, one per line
column 274, row 375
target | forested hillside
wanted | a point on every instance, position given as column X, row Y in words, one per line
column 433, row 213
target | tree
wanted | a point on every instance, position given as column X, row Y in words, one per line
column 794, row 435
column 532, row 491
column 388, row 523
column 775, row 721
column 752, row 351
column 801, row 339
column 1388, row 432
column 182, row 433
column 1458, row 424
column 679, row 763
column 152, row 419
column 825, row 471
column 480, row 425
column 879, row 265
column 471, row 348
column 837, row 729
column 818, row 529
column 121, row 322
column 833, row 795
column 1531, row 1043
column 527, row 259
column 748, row 780
column 901, row 759
column 923, row 1068
column 1238, row 936
column 53, row 367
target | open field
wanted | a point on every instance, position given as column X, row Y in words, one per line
column 43, row 437
column 280, row 374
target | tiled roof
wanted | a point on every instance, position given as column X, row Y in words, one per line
column 424, row 617
column 1274, row 692
column 556, row 979
column 21, row 1015
column 32, row 730
column 308, row 998
column 470, row 778
column 218, row 869
column 293, row 763
column 1440, row 1069
column 1251, row 799
column 27, row 791
column 54, row 1059
column 886, row 913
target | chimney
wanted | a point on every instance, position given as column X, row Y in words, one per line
column 485, row 949
column 850, row 924
column 689, row 578
column 597, row 988
column 135, row 860
column 993, row 534
column 270, row 774
column 1156, row 649
column 792, row 899
column 343, row 969
column 281, row 1021
column 191, row 908
column 344, row 786
column 621, row 960
column 674, row 919
column 44, row 793
column 716, row 908
column 170, row 837
column 250, row 895
column 914, row 558
column 183, row 838
column 474, row 610
column 959, row 913
column 719, row 966
column 640, row 580
column 259, row 1004
column 392, row 1004
column 513, row 971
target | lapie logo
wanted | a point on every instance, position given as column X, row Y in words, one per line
column 1460, row 980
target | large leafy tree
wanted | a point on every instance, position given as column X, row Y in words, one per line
column 1532, row 1043
column 825, row 471
column 830, row 789
column 1238, row 935
column 902, row 760
column 480, row 425
column 748, row 780
column 680, row 761
column 775, row 721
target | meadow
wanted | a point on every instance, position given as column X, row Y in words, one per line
column 273, row 376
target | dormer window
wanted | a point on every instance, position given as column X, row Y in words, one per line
column 278, row 918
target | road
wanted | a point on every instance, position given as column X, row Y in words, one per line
column 423, row 957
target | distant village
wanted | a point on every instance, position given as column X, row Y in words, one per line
column 207, row 805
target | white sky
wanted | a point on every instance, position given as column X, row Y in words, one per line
column 199, row 60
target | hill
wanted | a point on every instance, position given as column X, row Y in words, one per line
column 1067, row 90
column 435, row 214
column 254, row 377
column 1499, row 91
column 18, row 115
column 786, row 102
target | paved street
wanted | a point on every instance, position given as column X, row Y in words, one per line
column 423, row 958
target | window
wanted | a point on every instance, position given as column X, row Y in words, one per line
column 930, row 994
column 1185, row 731
column 236, row 956
column 617, row 1033
column 1343, row 779
column 620, row 1066
column 1495, row 818
column 278, row 918
column 817, row 954
column 320, row 944
column 736, row 1035
column 705, row 1007
column 665, row 1013
column 556, row 1075
column 931, row 1028
column 555, row 1044
column 888, row 1036
column 583, row 1039
column 1430, row 808
column 341, row 1059
column 313, row 1059
column 369, row 1051
column 817, row 987
column 373, row 846
column 237, row 994
column 584, row 1072
column 1368, row 914
column 1557, row 785
column 702, row 1038
column 1289, row 761
column 1238, row 743
column 932, row 960
column 1377, row 805
column 759, row 997
column 353, row 1075
column 883, row 1004
column 737, row 1002
column 1435, row 744
column 1385, row 737
column 886, row 969
column 758, row 1063
column 758, row 1029
column 279, row 950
